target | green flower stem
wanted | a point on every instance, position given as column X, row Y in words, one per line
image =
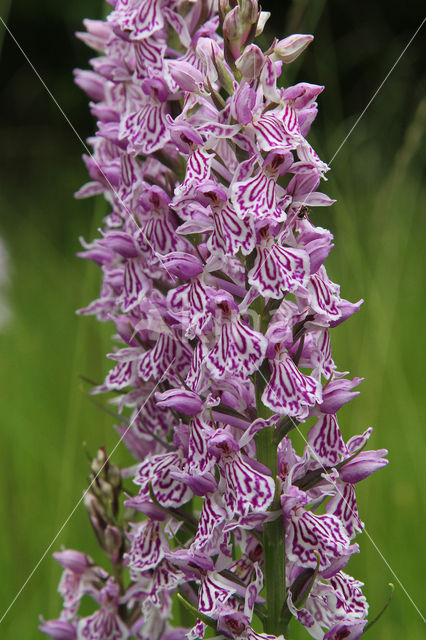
column 273, row 532
column 273, row 543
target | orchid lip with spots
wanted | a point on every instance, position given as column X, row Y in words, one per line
column 213, row 274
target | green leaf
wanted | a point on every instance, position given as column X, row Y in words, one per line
column 190, row 607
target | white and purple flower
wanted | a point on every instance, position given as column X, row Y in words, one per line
column 214, row 276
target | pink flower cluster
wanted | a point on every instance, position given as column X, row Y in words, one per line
column 214, row 276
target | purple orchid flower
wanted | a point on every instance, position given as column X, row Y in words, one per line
column 213, row 273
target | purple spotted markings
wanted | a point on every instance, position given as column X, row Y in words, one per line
column 214, row 277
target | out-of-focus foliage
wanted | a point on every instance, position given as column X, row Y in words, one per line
column 376, row 178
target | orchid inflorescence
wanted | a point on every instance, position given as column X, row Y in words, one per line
column 213, row 275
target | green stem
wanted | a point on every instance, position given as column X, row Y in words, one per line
column 117, row 572
column 273, row 532
column 274, row 570
column 283, row 428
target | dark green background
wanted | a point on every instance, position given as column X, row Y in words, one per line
column 379, row 226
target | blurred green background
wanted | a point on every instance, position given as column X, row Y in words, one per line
column 379, row 228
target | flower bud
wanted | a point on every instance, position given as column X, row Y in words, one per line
column 250, row 62
column 302, row 94
column 100, row 463
column 91, row 83
column 239, row 28
column 106, row 68
column 186, row 75
column 76, row 561
column 232, row 33
column 103, row 112
column 338, row 393
column 120, row 242
column 147, row 507
column 58, row 629
column 249, row 11
column 225, row 6
column 107, row 475
column 249, row 17
column 114, row 476
column 106, row 491
column 183, row 265
column 186, row 402
column 96, row 512
column 290, row 48
column 96, row 35
column 363, row 465
column 113, row 541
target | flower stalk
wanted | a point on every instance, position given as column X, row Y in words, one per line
column 213, row 275
column 274, row 568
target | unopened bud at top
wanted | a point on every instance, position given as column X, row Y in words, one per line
column 225, row 6
column 239, row 27
column 232, row 33
column 290, row 48
column 250, row 62
column 104, row 471
column 113, row 541
column 100, row 463
column 249, row 11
